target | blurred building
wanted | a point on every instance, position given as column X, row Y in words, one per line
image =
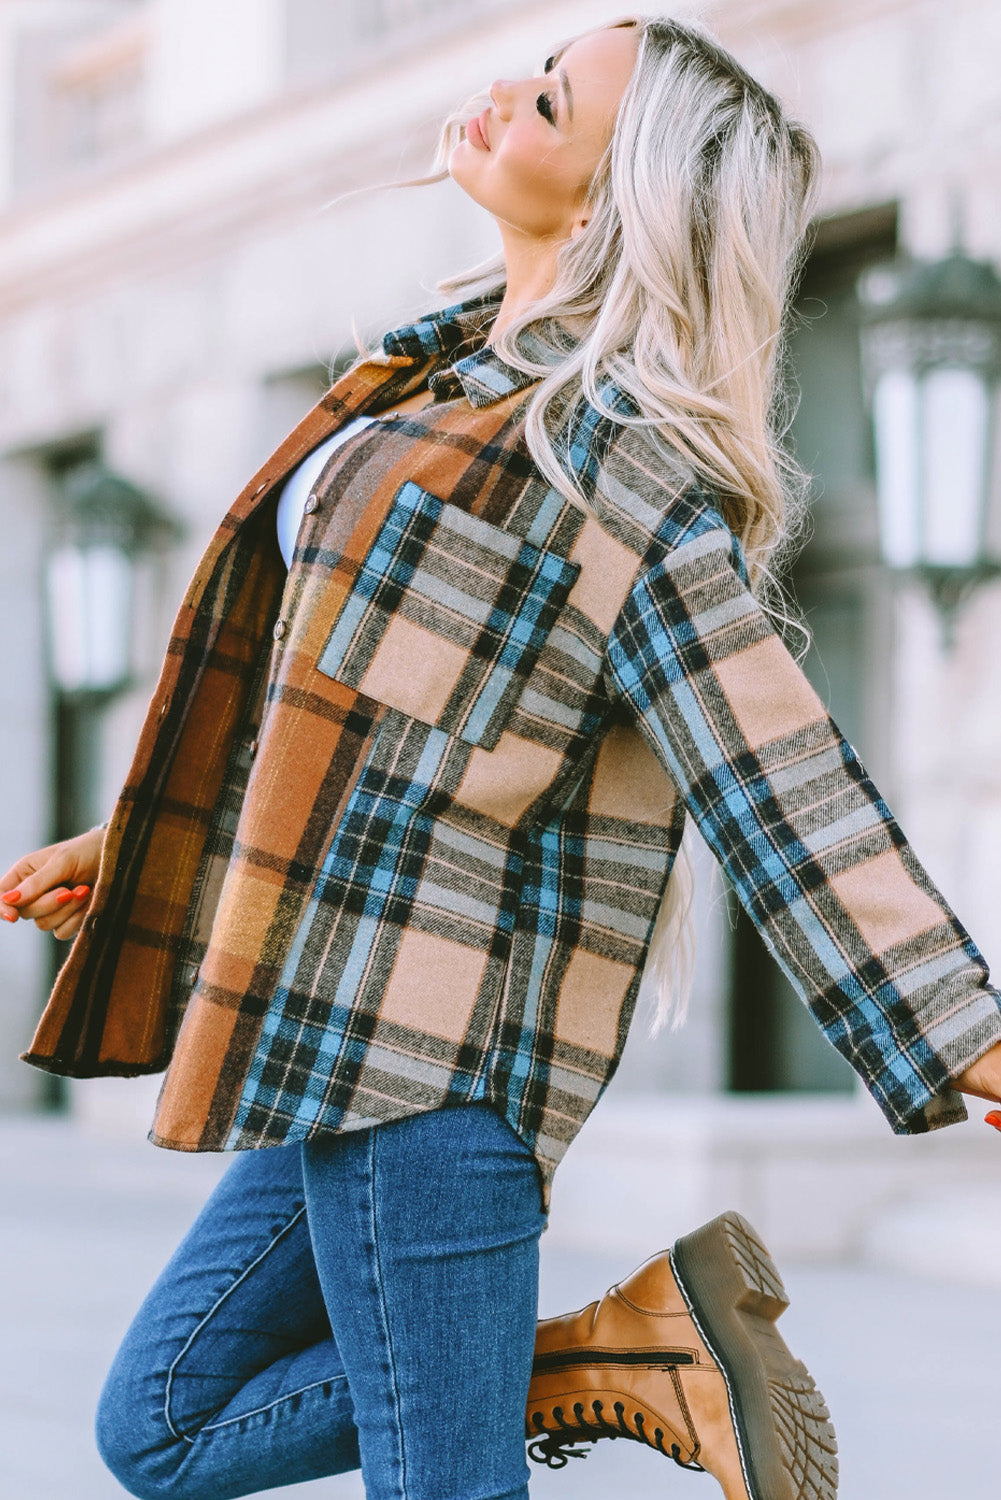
column 175, row 282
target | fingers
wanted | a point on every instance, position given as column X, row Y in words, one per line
column 37, row 891
column 10, row 879
column 983, row 1078
column 51, row 886
column 25, row 870
column 48, row 906
column 59, row 908
column 11, row 892
column 979, row 1091
column 60, row 911
column 70, row 926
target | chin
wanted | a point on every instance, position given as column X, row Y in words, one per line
column 462, row 170
column 462, row 151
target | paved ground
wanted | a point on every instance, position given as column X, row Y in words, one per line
column 908, row 1365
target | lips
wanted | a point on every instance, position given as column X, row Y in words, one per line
column 476, row 132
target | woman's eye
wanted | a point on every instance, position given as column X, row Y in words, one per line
column 545, row 107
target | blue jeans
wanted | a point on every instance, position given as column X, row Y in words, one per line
column 364, row 1298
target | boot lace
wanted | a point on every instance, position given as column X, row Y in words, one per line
column 575, row 1439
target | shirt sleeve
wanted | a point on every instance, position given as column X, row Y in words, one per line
column 812, row 850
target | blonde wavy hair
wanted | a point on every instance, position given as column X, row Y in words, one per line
column 678, row 290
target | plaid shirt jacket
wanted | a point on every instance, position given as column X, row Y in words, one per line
column 399, row 822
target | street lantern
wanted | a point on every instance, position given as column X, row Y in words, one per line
column 931, row 348
column 103, row 525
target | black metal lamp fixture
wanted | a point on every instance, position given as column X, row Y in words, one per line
column 931, row 349
column 103, row 525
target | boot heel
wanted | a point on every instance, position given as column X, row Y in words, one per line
column 726, row 1254
column 764, row 1293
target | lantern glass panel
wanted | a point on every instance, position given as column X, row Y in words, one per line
column 956, row 437
column 896, row 412
column 90, row 613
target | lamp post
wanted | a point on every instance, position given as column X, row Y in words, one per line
column 931, row 350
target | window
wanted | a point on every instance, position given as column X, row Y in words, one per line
column 97, row 96
column 78, row 98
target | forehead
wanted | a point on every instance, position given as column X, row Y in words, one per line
column 598, row 67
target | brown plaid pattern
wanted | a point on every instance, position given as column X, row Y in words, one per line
column 399, row 822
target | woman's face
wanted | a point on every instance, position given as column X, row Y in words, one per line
column 529, row 158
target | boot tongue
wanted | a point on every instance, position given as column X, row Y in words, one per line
column 653, row 1288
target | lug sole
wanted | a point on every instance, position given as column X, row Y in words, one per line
column 735, row 1295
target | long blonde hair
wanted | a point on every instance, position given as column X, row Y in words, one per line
column 678, row 290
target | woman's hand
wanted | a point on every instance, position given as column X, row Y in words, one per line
column 983, row 1078
column 51, row 887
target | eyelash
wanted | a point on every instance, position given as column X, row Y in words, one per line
column 545, row 107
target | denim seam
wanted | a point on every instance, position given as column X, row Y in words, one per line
column 257, row 1410
column 211, row 1313
column 380, row 1291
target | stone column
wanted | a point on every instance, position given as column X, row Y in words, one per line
column 25, row 754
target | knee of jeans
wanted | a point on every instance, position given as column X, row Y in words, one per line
column 146, row 1465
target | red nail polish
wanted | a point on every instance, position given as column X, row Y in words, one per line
column 994, row 1118
column 79, row 891
column 64, row 896
column 12, row 897
column 8, row 916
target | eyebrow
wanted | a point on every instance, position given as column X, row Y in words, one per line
column 564, row 80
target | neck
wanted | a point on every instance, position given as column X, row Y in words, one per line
column 530, row 266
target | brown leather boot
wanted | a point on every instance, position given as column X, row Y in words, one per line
column 684, row 1355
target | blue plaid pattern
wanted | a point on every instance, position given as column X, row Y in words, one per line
column 479, row 731
column 689, row 613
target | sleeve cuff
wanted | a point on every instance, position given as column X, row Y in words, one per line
column 968, row 1037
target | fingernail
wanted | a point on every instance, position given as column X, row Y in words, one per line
column 8, row 916
column 79, row 891
column 12, row 897
column 994, row 1118
column 64, row 896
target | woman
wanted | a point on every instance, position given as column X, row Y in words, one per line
column 387, row 864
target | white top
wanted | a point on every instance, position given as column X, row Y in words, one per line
column 295, row 491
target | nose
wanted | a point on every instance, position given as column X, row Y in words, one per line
column 501, row 91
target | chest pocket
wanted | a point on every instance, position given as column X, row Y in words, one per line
column 447, row 617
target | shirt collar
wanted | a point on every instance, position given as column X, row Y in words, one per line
column 481, row 374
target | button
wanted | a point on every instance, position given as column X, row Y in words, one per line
column 163, row 708
column 312, row 505
column 252, row 747
column 279, row 630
